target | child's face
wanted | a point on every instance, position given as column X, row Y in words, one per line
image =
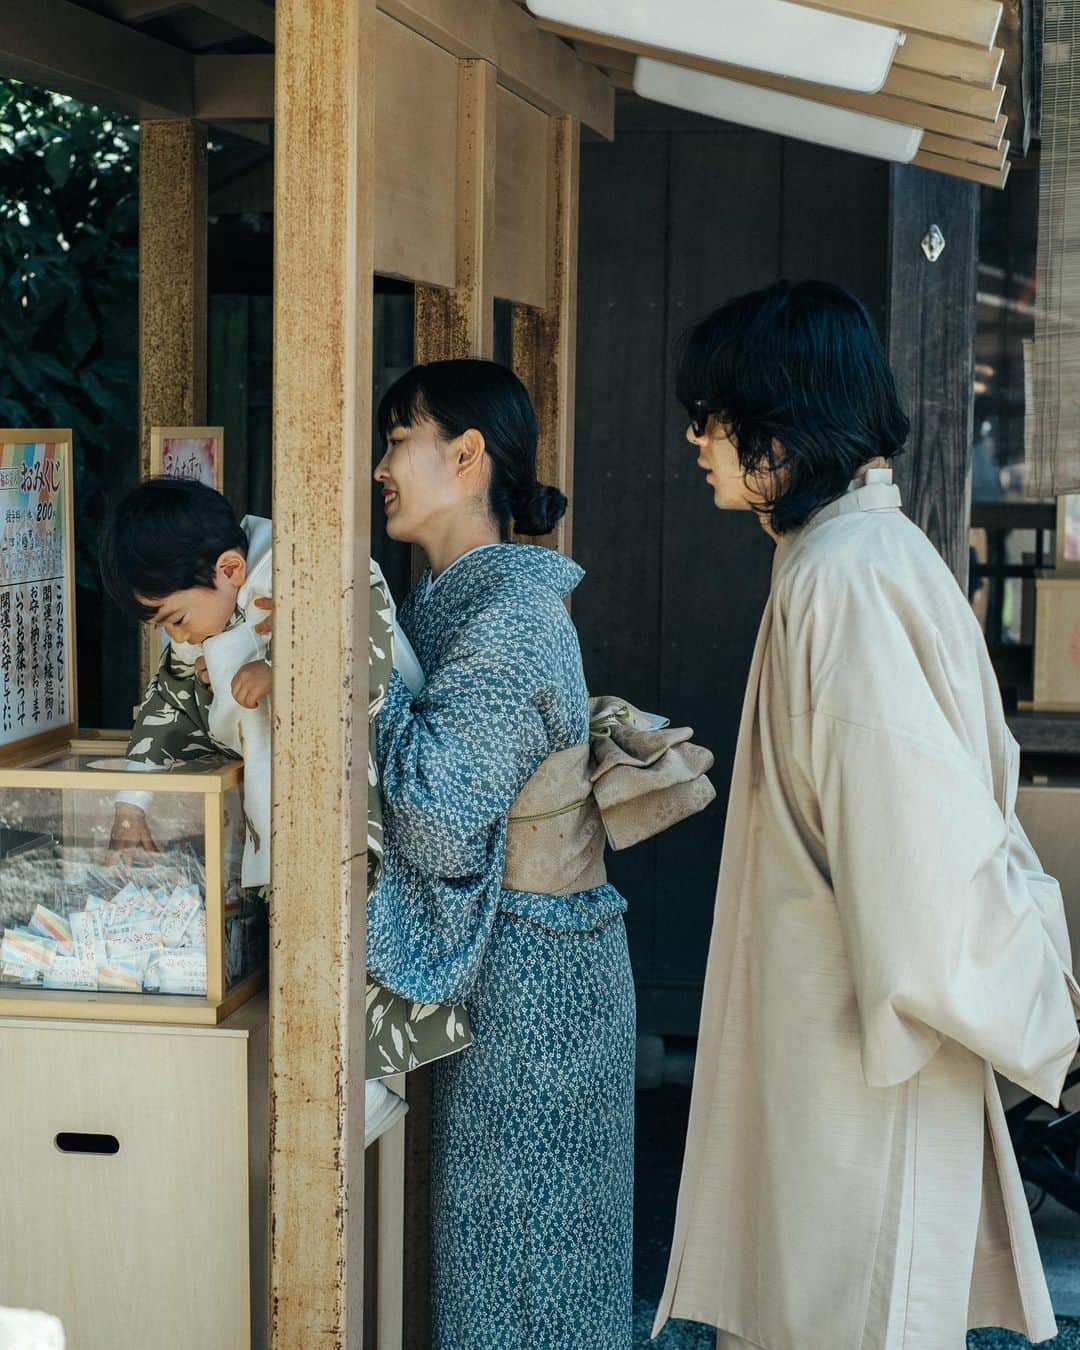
column 202, row 611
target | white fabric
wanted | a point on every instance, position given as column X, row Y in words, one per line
column 403, row 656
column 883, row 939
column 382, row 1110
column 21, row 1329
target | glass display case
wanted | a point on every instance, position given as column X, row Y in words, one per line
column 164, row 933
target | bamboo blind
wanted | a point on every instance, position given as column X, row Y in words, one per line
column 1052, row 424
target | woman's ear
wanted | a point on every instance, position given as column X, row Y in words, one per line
column 233, row 567
column 470, row 453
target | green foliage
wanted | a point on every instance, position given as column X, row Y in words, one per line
column 69, row 285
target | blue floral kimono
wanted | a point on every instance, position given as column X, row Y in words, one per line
column 532, row 1180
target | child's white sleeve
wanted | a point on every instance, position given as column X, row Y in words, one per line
column 405, row 660
column 134, row 798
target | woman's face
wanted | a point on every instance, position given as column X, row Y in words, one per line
column 422, row 486
column 716, row 454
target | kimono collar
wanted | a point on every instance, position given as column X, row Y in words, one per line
column 872, row 489
column 527, row 561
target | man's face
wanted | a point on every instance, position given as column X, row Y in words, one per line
column 716, row 454
column 200, row 612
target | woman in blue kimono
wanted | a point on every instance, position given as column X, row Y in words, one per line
column 532, row 1162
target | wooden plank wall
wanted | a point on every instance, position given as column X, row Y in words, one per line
column 677, row 215
column 932, row 345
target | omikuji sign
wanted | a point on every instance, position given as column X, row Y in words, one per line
column 36, row 654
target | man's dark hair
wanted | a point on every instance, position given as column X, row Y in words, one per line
column 166, row 536
column 797, row 376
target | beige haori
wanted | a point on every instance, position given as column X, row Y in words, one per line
column 884, row 939
column 635, row 777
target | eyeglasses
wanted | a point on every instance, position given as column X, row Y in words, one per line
column 700, row 412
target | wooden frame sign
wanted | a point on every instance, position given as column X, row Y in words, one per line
column 1068, row 535
column 37, row 590
column 188, row 452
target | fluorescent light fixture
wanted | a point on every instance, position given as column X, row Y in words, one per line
column 770, row 110
column 770, row 35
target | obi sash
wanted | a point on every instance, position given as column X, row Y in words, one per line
column 635, row 777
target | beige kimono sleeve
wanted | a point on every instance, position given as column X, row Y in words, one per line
column 949, row 931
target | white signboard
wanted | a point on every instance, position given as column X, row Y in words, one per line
column 37, row 677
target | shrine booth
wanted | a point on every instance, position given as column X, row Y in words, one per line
column 431, row 151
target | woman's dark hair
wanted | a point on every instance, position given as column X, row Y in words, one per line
column 797, row 376
column 166, row 536
column 459, row 395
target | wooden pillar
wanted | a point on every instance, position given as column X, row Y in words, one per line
column 172, row 290
column 932, row 349
column 461, row 322
column 323, row 280
column 172, row 277
column 544, row 341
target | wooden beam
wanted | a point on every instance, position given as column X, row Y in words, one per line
column 992, row 157
column 461, row 322
column 952, row 94
column 323, row 313
column 416, row 194
column 542, row 70
column 417, row 1273
column 958, row 168
column 172, row 278
column 890, row 103
column 234, row 88
column 611, row 58
column 932, row 56
column 905, row 110
column 533, row 64
column 972, row 21
column 1017, row 42
column 249, row 16
column 520, row 258
column 544, row 340
column 72, row 50
column 950, row 60
column 141, row 11
column 172, row 295
column 940, row 120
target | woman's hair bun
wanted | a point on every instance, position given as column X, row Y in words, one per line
column 538, row 509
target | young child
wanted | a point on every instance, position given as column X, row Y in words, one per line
column 176, row 556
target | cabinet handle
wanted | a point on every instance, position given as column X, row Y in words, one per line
column 68, row 1141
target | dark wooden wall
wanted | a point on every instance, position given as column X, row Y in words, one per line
column 932, row 349
column 677, row 215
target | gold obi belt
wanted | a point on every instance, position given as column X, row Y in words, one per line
column 634, row 778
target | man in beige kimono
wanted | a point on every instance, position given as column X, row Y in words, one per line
column 884, row 936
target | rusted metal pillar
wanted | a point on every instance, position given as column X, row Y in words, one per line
column 323, row 275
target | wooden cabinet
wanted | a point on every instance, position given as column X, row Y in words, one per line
column 136, row 1200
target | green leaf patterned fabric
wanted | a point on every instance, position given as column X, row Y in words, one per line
column 402, row 1034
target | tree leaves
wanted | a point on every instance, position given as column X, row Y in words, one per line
column 68, row 279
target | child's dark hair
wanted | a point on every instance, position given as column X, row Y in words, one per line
column 459, row 395
column 798, row 378
column 166, row 536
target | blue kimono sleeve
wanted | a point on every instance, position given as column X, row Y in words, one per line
column 454, row 758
